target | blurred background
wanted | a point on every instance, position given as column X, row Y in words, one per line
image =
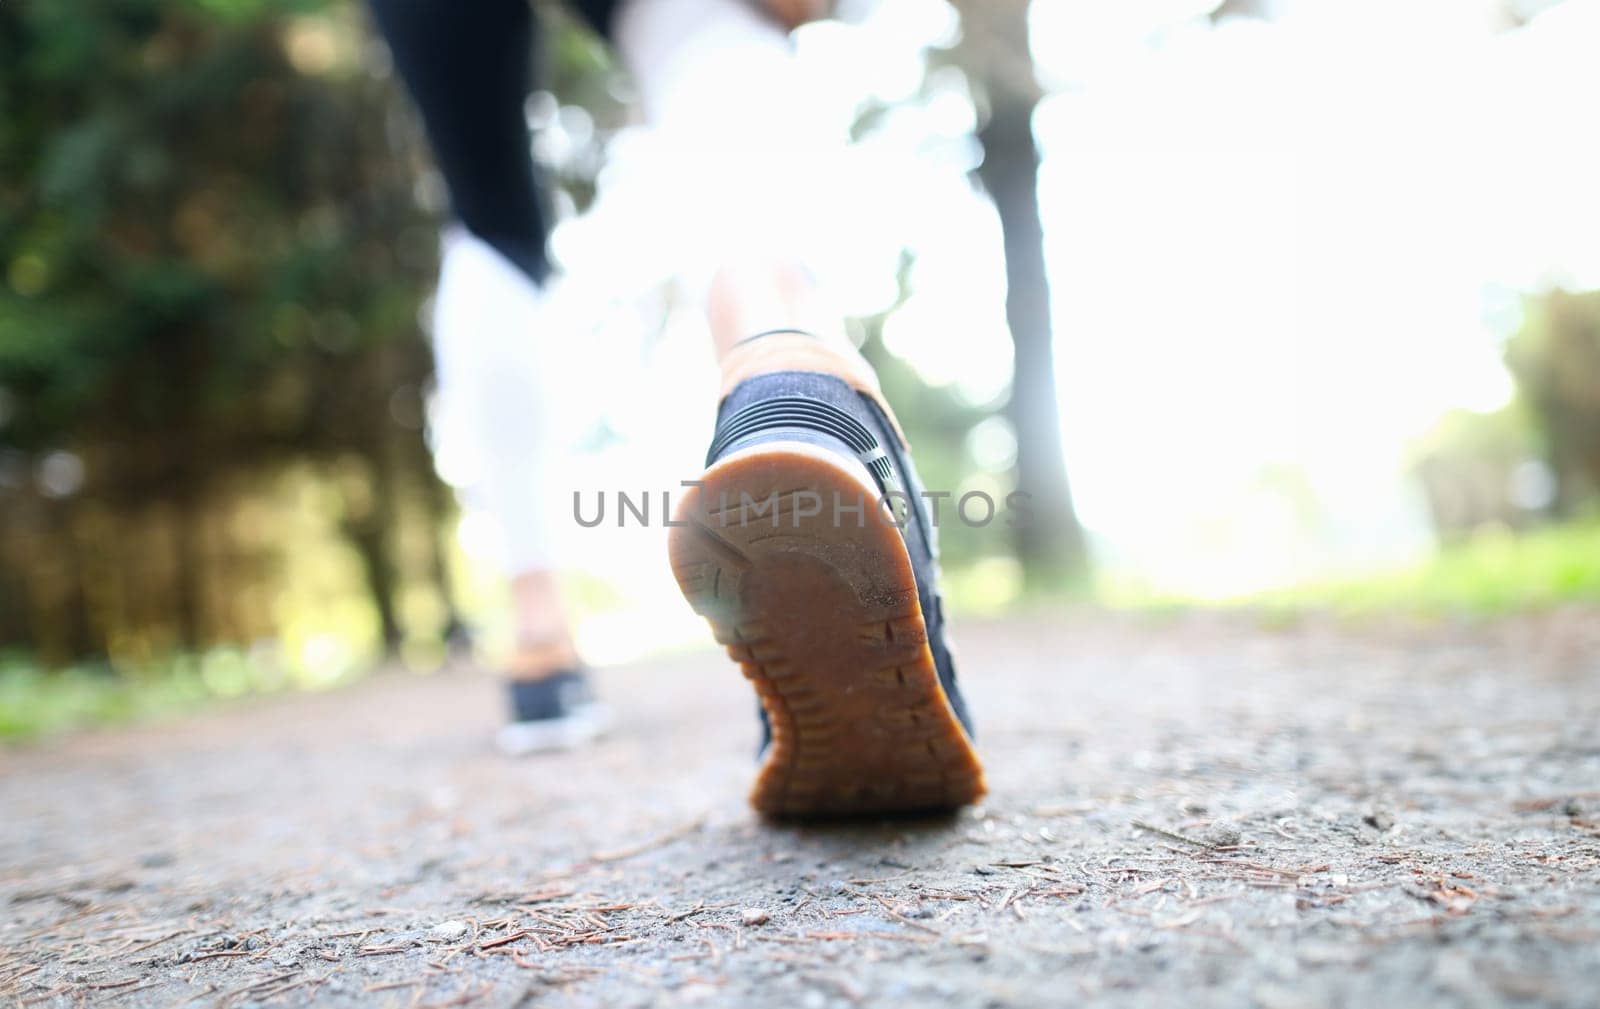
column 1300, row 298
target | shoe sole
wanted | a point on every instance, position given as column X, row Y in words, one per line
column 551, row 735
column 822, row 617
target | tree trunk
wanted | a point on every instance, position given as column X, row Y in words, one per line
column 371, row 531
column 995, row 52
column 188, row 594
column 436, row 514
column 72, row 604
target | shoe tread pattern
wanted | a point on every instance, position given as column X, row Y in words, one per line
column 823, row 619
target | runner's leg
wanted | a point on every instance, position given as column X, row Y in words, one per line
column 469, row 68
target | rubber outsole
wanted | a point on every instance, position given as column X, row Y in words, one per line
column 817, row 603
column 549, row 735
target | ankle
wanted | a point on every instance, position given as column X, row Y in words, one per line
column 797, row 350
column 537, row 659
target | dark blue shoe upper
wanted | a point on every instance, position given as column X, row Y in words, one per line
column 549, row 697
column 826, row 411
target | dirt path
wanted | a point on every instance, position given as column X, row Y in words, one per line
column 1399, row 818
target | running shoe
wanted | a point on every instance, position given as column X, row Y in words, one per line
column 809, row 548
column 556, row 712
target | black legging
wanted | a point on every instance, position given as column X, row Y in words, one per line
column 469, row 65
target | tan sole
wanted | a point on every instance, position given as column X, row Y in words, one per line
column 823, row 618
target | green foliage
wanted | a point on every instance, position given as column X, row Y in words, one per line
column 1505, row 434
column 190, row 204
column 36, row 703
column 213, row 262
column 1467, row 465
column 1555, row 357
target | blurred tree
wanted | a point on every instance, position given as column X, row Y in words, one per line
column 994, row 52
column 1555, row 358
column 1481, row 470
column 213, row 261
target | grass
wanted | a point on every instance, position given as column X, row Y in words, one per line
column 36, row 702
column 1495, row 572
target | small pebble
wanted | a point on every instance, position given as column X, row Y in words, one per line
column 754, row 916
column 1223, row 835
column 448, row 930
